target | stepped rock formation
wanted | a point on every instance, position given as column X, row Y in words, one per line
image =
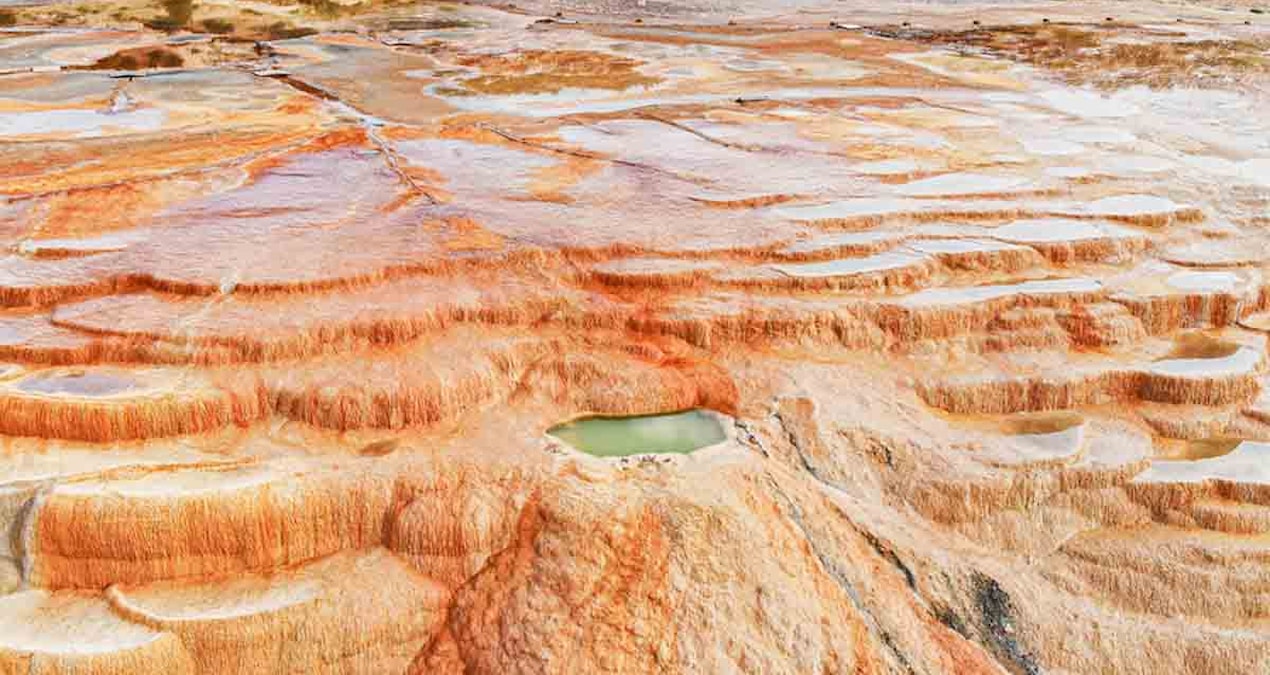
column 293, row 298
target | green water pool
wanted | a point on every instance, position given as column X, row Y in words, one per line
column 680, row 432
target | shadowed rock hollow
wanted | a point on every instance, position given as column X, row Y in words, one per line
column 380, row 338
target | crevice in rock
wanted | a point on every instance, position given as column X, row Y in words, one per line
column 796, row 443
column 507, row 135
column 368, row 124
column 953, row 621
column 703, row 136
column 747, row 436
column 830, row 567
column 884, row 549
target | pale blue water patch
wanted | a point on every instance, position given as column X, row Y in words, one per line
column 1131, row 205
column 77, row 384
column 1204, row 281
column 1049, row 230
column 674, row 433
column 1248, row 463
column 1042, row 288
column 1244, row 360
column 845, row 267
column 954, row 184
column 81, row 123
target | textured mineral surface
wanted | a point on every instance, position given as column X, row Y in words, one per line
column 634, row 337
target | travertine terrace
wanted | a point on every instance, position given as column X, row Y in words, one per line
column 291, row 294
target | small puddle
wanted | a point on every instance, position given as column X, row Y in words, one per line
column 1022, row 439
column 77, row 384
column 1040, row 288
column 1200, row 346
column 1204, row 282
column 1053, row 230
column 843, row 267
column 1201, row 448
column 1051, row 435
column 84, row 123
column 1198, row 354
column 958, row 184
column 1131, row 206
column 605, row 436
column 69, row 248
column 1041, row 423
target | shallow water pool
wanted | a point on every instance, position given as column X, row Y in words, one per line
column 680, row 432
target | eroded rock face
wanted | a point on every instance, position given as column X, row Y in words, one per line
column 284, row 326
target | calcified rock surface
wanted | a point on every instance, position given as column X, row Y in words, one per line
column 284, row 325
